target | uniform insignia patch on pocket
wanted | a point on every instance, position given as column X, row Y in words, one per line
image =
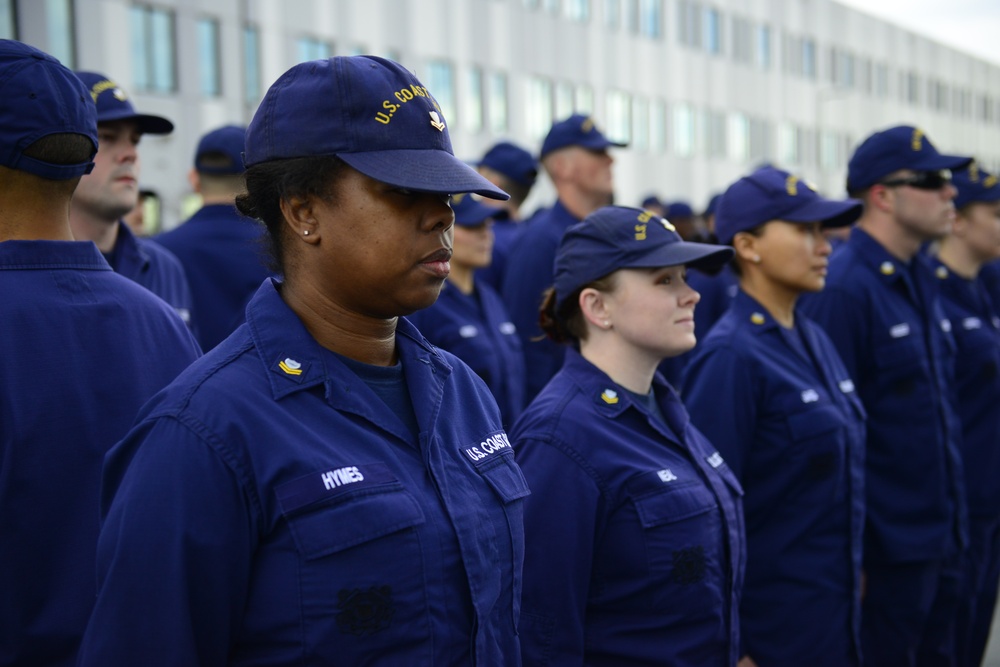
column 365, row 612
column 689, row 565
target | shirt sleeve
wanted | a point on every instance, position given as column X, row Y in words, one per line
column 173, row 556
column 720, row 395
column 560, row 525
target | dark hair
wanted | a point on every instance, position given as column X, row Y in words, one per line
column 734, row 265
column 518, row 193
column 62, row 148
column 567, row 324
column 268, row 183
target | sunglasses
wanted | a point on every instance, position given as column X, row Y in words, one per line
column 922, row 180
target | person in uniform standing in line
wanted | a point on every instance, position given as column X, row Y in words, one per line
column 325, row 487
column 222, row 251
column 469, row 319
column 84, row 349
column 768, row 389
column 111, row 190
column 975, row 241
column 882, row 310
column 513, row 170
column 634, row 529
column 575, row 156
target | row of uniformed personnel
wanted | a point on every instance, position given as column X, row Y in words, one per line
column 326, row 487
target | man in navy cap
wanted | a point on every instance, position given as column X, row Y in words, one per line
column 219, row 248
column 575, row 156
column 882, row 310
column 961, row 256
column 111, row 190
column 83, row 349
column 513, row 170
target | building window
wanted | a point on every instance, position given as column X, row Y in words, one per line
column 640, row 124
column 564, row 100
column 716, row 135
column 209, row 70
column 8, row 20
column 713, row 30
column 764, row 46
column 531, row 4
column 809, row 58
column 59, row 29
column 539, row 107
column 657, row 126
column 760, row 139
column 882, row 80
column 651, row 18
column 829, row 157
column 441, row 85
column 153, row 61
column 584, row 99
column 311, row 48
column 577, row 10
column 612, row 14
column 498, row 103
column 619, row 108
column 743, row 48
column 739, row 137
column 551, row 6
column 689, row 23
column 472, row 112
column 684, row 130
column 788, row 147
column 251, row 64
column 632, row 15
column 912, row 88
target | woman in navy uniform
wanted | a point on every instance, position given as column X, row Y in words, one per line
column 325, row 488
column 769, row 390
column 975, row 324
column 634, row 530
column 469, row 319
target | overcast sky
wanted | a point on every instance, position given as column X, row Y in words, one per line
column 972, row 26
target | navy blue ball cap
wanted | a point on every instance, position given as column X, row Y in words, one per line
column 773, row 194
column 40, row 97
column 679, row 209
column 577, row 130
column 975, row 185
column 616, row 237
column 512, row 161
column 470, row 212
column 113, row 104
column 650, row 201
column 888, row 151
column 713, row 204
column 227, row 141
column 373, row 114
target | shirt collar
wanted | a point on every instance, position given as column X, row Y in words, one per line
column 292, row 358
column 52, row 255
column 748, row 309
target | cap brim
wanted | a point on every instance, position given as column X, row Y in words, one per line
column 424, row 170
column 933, row 163
column 829, row 213
column 703, row 256
column 147, row 123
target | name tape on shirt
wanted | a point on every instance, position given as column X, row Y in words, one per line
column 330, row 482
column 846, row 386
column 900, row 330
column 715, row 460
column 488, row 447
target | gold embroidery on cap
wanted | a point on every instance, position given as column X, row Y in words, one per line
column 791, row 185
column 587, row 125
column 917, row 142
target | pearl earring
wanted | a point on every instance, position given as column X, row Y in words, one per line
column 305, row 233
column 756, row 259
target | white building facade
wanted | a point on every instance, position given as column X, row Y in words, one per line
column 703, row 90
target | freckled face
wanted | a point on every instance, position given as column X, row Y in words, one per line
column 385, row 250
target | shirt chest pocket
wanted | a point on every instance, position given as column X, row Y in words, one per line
column 683, row 538
column 899, row 364
column 818, row 437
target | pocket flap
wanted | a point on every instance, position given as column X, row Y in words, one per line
column 674, row 503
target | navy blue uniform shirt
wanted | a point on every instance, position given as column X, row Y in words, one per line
column 270, row 509
column 476, row 329
column 153, row 267
column 505, row 234
column 221, row 252
column 886, row 321
column 784, row 413
column 975, row 325
column 530, row 271
column 84, row 348
column 634, row 530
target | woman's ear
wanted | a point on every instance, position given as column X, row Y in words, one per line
column 299, row 213
column 595, row 308
column 745, row 245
